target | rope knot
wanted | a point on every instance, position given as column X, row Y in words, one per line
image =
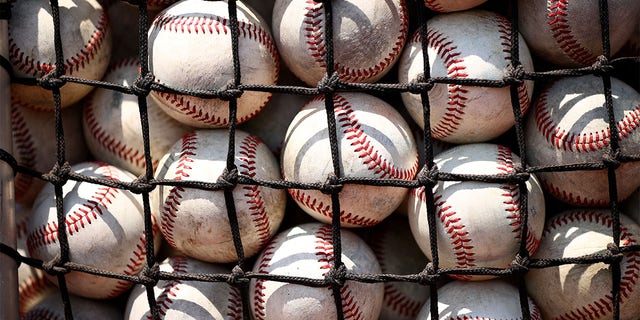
column 419, row 85
column 142, row 85
column 611, row 159
column 428, row 275
column 229, row 178
column 237, row 277
column 51, row 80
column 230, row 91
column 331, row 184
column 54, row 266
column 149, row 275
column 616, row 254
column 59, row 175
column 520, row 264
column 602, row 66
column 428, row 178
column 336, row 276
column 329, row 84
column 141, row 185
column 514, row 75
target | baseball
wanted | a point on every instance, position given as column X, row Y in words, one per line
column 307, row 251
column 196, row 221
column 583, row 291
column 190, row 49
column 567, row 32
column 452, row 5
column 368, row 37
column 374, row 141
column 398, row 253
column 86, row 48
column 477, row 223
column 104, row 226
column 32, row 285
column 493, row 299
column 34, row 144
column 569, row 125
column 112, row 128
column 631, row 206
column 51, row 308
column 183, row 299
column 475, row 45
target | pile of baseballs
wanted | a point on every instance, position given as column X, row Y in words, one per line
column 337, row 142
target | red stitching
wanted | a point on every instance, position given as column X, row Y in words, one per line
column 434, row 5
column 562, row 33
column 30, row 289
column 235, row 304
column 314, row 31
column 324, row 253
column 504, row 29
column 172, row 202
column 569, row 197
column 585, row 142
column 630, row 274
column 360, row 141
column 84, row 215
column 136, row 262
column 41, row 314
column 318, row 206
column 394, row 299
column 255, row 201
column 210, row 25
column 28, row 65
column 110, row 143
column 23, row 145
column 260, row 303
column 179, row 264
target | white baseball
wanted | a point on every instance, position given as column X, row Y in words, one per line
column 583, row 291
column 104, row 226
column 477, row 223
column 86, row 47
column 184, row 299
column 568, row 33
column 51, row 308
column 374, row 141
column 32, row 285
column 368, row 37
column 398, row 253
column 190, row 49
column 112, row 128
column 307, row 251
column 34, row 144
column 465, row 45
column 569, row 125
column 452, row 5
column 492, row 299
column 196, row 221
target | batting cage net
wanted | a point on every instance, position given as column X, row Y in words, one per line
column 428, row 175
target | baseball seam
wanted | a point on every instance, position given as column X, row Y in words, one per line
column 562, row 32
column 504, row 29
column 585, row 142
column 260, row 303
column 313, row 26
column 41, row 314
column 434, row 5
column 24, row 146
column 512, row 200
column 30, row 66
column 83, row 216
column 136, row 262
column 253, row 194
column 179, row 264
column 318, row 206
column 211, row 25
column 30, row 290
column 394, row 298
column 630, row 271
column 324, row 254
column 569, row 197
column 172, row 202
column 234, row 304
column 454, row 112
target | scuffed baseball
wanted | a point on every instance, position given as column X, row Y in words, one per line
column 112, row 127
column 569, row 125
column 472, row 44
column 190, row 49
column 567, row 32
column 307, row 251
column 32, row 284
column 86, row 48
column 452, row 5
column 398, row 253
column 374, row 141
column 492, row 299
column 184, row 299
column 196, row 221
column 104, row 226
column 477, row 223
column 368, row 37
column 51, row 308
column 34, row 144
column 583, row 291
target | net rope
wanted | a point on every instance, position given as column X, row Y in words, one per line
column 428, row 176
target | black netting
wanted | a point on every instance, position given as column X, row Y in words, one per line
column 432, row 274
